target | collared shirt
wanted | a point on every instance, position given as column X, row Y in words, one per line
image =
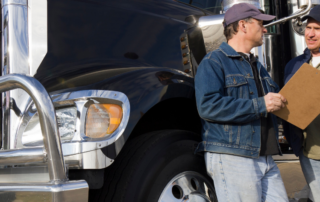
column 315, row 62
column 311, row 143
column 269, row 144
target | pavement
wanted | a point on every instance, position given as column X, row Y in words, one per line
column 294, row 181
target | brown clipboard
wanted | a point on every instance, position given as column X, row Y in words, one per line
column 303, row 97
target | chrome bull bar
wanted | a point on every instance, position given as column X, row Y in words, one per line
column 59, row 188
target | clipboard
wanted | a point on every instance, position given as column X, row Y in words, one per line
column 303, row 97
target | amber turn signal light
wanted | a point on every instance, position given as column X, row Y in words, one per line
column 102, row 120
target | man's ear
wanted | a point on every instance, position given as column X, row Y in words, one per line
column 242, row 26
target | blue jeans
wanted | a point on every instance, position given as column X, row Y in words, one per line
column 241, row 179
column 311, row 171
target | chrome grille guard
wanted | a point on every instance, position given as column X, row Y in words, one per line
column 52, row 152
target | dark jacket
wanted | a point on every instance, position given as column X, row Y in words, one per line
column 293, row 134
column 228, row 102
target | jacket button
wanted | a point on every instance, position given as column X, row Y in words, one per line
column 251, row 93
column 241, row 59
column 248, row 75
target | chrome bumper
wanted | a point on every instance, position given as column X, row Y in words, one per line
column 58, row 188
column 69, row 191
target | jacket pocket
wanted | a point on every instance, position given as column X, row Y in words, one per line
column 271, row 85
column 229, row 132
column 248, row 135
column 237, row 86
column 239, row 134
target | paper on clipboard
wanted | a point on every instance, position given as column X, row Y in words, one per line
column 303, row 97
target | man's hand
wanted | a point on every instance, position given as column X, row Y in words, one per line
column 274, row 101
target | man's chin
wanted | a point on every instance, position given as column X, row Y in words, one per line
column 258, row 44
column 313, row 48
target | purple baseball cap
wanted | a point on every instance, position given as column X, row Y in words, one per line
column 243, row 10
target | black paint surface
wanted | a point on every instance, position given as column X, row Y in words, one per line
column 131, row 46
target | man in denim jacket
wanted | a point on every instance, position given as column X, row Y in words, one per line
column 234, row 95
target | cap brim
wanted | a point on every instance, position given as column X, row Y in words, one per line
column 264, row 17
column 305, row 18
column 315, row 17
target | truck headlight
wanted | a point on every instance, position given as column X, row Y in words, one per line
column 66, row 120
column 102, row 120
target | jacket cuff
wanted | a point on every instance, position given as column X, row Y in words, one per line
column 260, row 107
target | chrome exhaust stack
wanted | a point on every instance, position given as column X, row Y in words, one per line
column 24, row 45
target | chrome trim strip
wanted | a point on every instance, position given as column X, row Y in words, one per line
column 36, row 187
column 47, row 117
column 38, row 192
column 25, row 174
column 22, row 156
column 88, row 160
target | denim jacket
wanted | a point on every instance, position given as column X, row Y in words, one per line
column 228, row 103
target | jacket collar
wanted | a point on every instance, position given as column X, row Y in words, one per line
column 228, row 50
column 307, row 55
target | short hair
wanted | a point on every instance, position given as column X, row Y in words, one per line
column 232, row 28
